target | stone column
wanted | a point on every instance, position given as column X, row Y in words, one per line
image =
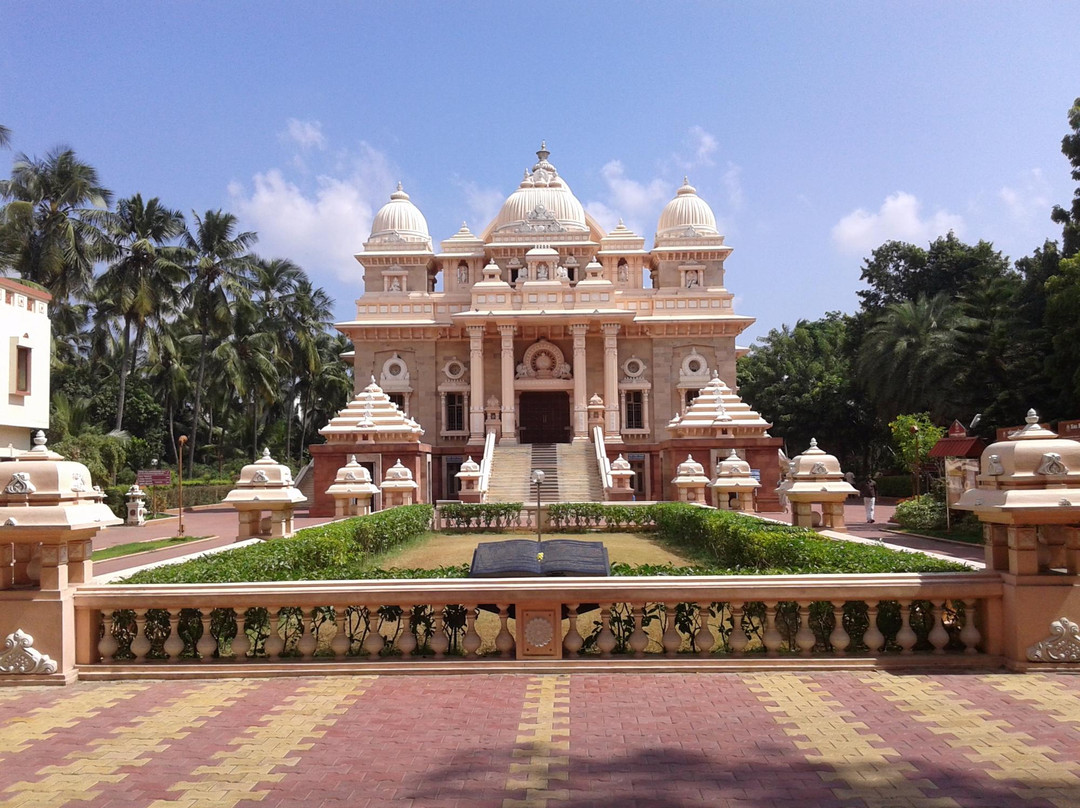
column 611, row 383
column 581, row 414
column 509, row 420
column 476, row 383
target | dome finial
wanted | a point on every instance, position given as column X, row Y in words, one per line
column 685, row 179
column 399, row 186
column 1032, row 417
column 543, row 153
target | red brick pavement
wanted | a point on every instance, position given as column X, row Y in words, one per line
column 828, row 740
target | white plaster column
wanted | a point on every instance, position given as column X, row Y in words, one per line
column 476, row 384
column 581, row 401
column 611, row 383
column 645, row 422
column 509, row 421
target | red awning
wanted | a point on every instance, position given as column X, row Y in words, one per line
column 958, row 447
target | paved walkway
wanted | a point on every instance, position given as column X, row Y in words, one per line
column 770, row 740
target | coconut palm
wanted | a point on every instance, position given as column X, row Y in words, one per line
column 908, row 357
column 144, row 280
column 219, row 263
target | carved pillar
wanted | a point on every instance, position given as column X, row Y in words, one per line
column 476, row 383
column 509, row 420
column 645, row 422
column 581, row 419
column 611, row 383
column 1023, row 543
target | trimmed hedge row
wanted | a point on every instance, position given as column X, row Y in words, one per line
column 336, row 551
column 195, row 493
column 480, row 515
column 596, row 515
column 736, row 544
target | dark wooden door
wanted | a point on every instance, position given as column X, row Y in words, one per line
column 544, row 417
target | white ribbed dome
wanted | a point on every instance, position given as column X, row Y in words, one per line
column 687, row 215
column 399, row 220
column 542, row 203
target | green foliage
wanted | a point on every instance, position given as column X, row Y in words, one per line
column 103, row 455
column 731, row 543
column 921, row 513
column 480, row 515
column 1069, row 219
column 599, row 516
column 895, row 486
column 335, row 551
column 196, row 492
column 914, row 436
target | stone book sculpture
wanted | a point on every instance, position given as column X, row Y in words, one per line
column 524, row 558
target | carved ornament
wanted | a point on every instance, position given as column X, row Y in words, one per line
column 1063, row 644
column 20, row 656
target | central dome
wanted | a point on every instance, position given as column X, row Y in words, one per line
column 543, row 203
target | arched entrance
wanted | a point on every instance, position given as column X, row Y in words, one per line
column 544, row 417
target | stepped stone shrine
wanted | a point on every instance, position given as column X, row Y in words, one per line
column 555, row 337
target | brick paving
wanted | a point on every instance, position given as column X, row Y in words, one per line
column 790, row 740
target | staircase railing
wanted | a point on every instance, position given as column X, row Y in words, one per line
column 601, row 458
column 485, row 463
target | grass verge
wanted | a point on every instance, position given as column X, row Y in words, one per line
column 118, row 550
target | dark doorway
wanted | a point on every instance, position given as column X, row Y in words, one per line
column 544, row 417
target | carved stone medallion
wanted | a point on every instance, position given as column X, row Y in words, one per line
column 20, row 656
column 1063, row 644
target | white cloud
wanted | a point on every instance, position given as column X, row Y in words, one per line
column 704, row 144
column 1030, row 199
column 733, row 185
column 321, row 227
column 305, row 134
column 483, row 204
column 900, row 218
column 637, row 203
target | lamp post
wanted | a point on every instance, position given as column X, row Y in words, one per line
column 180, row 486
column 537, row 479
column 153, row 489
column 918, row 456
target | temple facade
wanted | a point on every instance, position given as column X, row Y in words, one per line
column 541, row 327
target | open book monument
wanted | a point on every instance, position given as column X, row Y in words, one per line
column 524, row 558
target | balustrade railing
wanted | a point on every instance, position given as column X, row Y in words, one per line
column 699, row 621
column 485, row 462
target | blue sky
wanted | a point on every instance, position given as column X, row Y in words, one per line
column 815, row 130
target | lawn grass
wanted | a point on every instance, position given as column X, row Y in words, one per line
column 955, row 535
column 141, row 547
column 450, row 549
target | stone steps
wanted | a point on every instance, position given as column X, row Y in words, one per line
column 570, row 473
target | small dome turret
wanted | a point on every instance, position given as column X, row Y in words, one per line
column 398, row 221
column 686, row 216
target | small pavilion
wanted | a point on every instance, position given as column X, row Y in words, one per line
column 265, row 486
column 815, row 478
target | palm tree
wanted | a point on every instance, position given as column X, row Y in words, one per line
column 166, row 371
column 5, row 137
column 144, row 280
column 59, row 206
column 218, row 264
column 908, row 358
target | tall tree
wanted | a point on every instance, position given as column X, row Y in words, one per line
column 908, row 358
column 5, row 137
column 219, row 265
column 143, row 282
column 1069, row 219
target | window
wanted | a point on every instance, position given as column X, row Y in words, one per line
column 22, row 370
column 455, row 412
column 635, row 412
column 690, row 395
column 453, row 484
column 399, row 400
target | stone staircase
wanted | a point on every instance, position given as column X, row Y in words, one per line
column 570, row 473
column 510, row 469
column 579, row 477
column 305, row 482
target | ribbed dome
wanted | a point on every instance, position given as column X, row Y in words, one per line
column 399, row 220
column 687, row 215
column 543, row 203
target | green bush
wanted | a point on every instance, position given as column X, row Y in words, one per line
column 896, row 486
column 335, row 551
column 480, row 516
column 196, row 493
column 734, row 543
column 921, row 513
column 578, row 515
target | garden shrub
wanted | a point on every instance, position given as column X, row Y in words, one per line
column 480, row 515
column 196, row 492
column 921, row 513
column 894, row 485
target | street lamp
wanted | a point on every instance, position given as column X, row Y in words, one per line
column 918, row 457
column 537, row 479
column 180, row 486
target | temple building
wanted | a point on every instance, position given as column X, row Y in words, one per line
column 545, row 330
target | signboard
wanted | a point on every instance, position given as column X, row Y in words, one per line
column 1069, row 429
column 635, row 456
column 960, row 475
column 147, row 477
column 756, row 474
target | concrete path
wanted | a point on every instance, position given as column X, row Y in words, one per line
column 769, row 740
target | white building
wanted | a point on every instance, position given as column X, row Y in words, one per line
column 24, row 364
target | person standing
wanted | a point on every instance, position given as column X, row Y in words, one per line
column 869, row 494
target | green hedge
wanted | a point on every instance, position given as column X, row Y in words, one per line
column 921, row 513
column 196, row 492
column 480, row 515
column 896, row 486
column 596, row 515
column 336, row 551
column 734, row 543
